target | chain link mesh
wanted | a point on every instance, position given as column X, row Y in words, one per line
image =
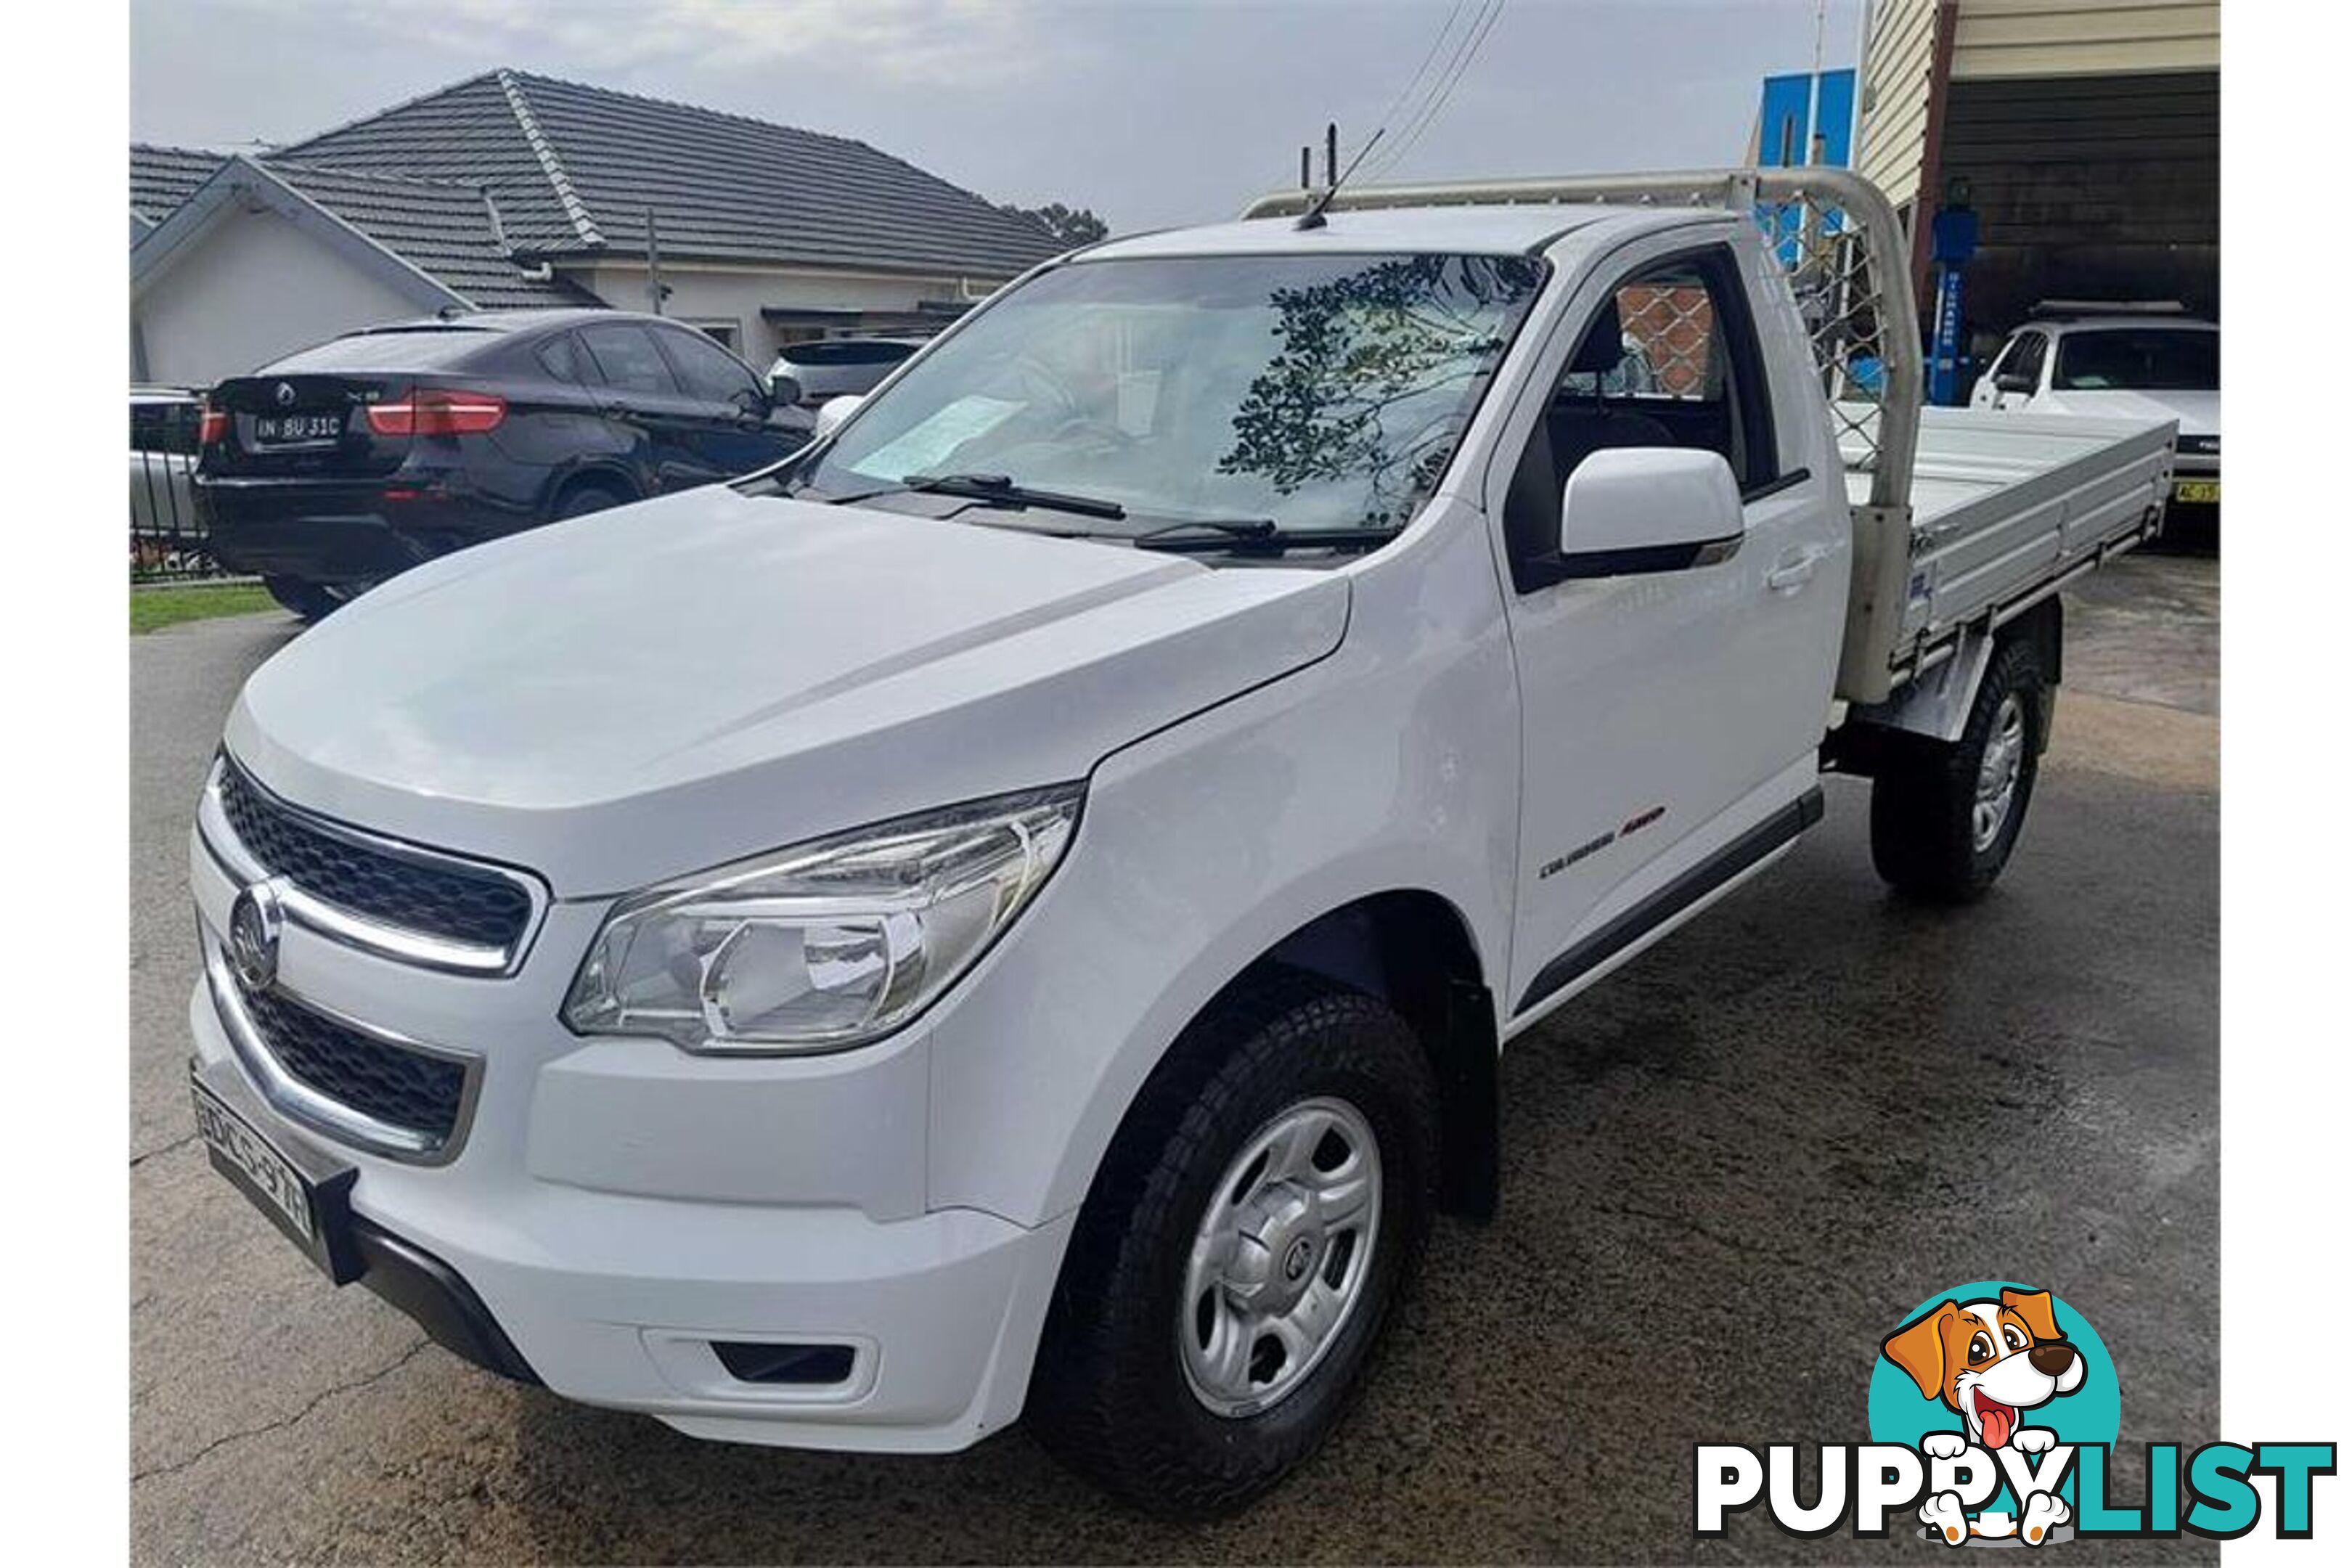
column 1834, row 271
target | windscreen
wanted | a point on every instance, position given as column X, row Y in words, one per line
column 1310, row 392
column 2138, row 358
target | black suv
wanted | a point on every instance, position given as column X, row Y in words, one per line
column 341, row 465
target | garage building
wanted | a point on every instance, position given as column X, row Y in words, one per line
column 2085, row 135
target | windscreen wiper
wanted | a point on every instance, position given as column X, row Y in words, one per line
column 1255, row 536
column 999, row 489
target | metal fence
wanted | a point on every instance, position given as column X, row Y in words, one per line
column 168, row 538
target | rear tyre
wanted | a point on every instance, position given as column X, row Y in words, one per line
column 1232, row 1268
column 1943, row 818
column 309, row 601
column 589, row 495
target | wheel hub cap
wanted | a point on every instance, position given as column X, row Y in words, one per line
column 1280, row 1257
column 1997, row 773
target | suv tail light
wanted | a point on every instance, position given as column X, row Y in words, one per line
column 211, row 426
column 437, row 411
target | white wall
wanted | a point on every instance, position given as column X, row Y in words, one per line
column 249, row 288
column 1895, row 80
column 2084, row 37
column 710, row 294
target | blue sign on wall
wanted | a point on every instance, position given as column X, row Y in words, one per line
column 1797, row 106
column 1794, row 108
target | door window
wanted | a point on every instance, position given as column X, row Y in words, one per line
column 561, row 357
column 1669, row 359
column 624, row 353
column 708, row 371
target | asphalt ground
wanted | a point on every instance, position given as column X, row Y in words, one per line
column 1730, row 1170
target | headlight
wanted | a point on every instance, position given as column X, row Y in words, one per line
column 826, row 945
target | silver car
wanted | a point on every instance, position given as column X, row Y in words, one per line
column 837, row 367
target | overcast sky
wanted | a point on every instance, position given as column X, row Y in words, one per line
column 1149, row 113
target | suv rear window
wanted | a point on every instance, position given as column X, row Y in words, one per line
column 405, row 348
column 829, row 354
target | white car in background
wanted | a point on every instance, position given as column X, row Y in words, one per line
column 2120, row 361
column 839, row 367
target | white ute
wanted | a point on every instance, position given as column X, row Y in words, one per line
column 1016, row 910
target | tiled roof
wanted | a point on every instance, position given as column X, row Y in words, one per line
column 576, row 168
column 161, row 177
column 442, row 229
column 439, row 228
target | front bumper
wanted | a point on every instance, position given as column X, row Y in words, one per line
column 616, row 1211
column 2197, row 459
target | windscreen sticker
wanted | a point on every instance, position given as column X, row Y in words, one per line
column 923, row 448
column 1139, row 402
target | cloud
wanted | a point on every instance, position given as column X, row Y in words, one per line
column 904, row 42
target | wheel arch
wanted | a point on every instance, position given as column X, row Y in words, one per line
column 1412, row 949
column 1936, row 705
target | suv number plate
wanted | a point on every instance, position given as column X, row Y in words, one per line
column 298, row 427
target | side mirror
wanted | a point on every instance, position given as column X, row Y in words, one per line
column 2014, row 380
column 829, row 417
column 1629, row 510
column 784, row 389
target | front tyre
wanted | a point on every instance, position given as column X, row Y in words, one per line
column 1233, row 1266
column 1943, row 818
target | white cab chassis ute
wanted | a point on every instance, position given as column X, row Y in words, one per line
column 1016, row 908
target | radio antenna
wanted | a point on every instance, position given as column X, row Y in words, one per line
column 1313, row 216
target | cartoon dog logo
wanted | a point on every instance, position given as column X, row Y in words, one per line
column 1991, row 1362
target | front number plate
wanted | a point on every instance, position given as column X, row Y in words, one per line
column 269, row 1177
column 316, row 1214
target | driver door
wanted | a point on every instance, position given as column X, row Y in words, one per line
column 1664, row 713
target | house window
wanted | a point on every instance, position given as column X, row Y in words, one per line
column 728, row 335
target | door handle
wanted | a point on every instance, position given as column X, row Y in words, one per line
column 1792, row 571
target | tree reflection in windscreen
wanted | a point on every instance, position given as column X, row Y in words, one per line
column 1371, row 381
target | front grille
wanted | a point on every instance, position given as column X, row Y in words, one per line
column 449, row 901
column 403, row 1088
